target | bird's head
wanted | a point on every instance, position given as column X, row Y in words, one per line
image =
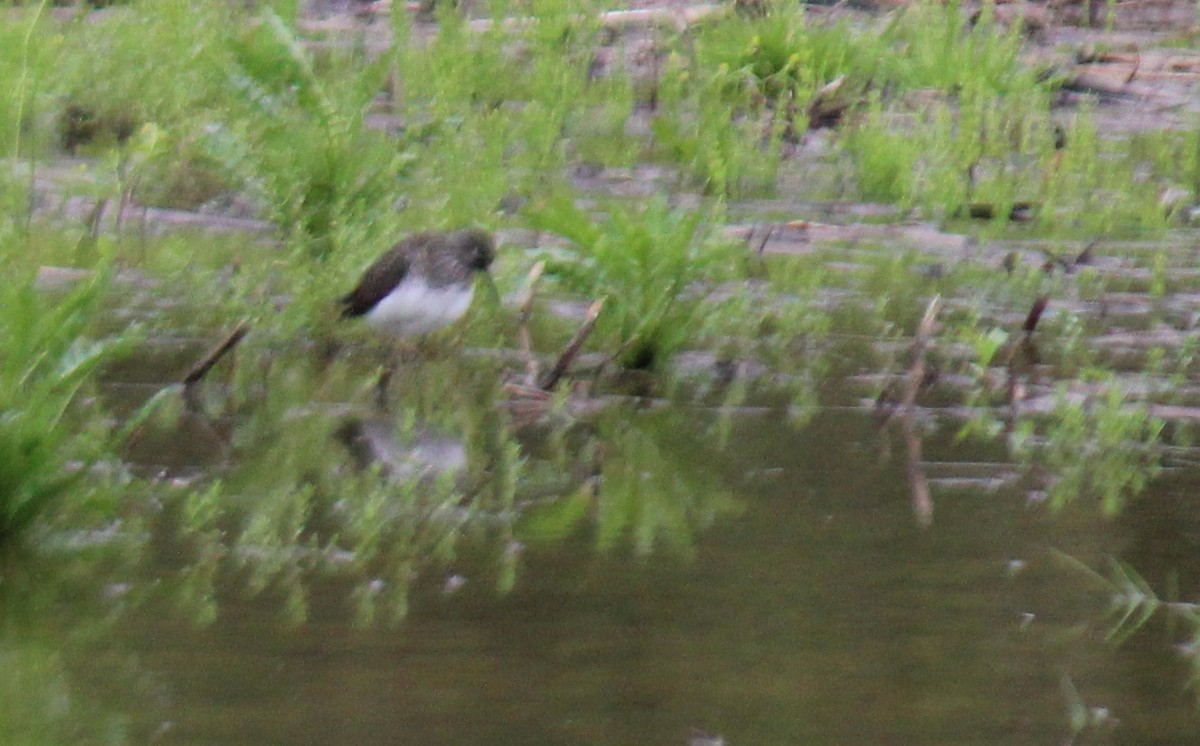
column 478, row 247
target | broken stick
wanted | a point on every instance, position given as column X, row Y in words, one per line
column 210, row 358
column 916, row 369
column 572, row 349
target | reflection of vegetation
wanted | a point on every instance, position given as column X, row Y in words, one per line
column 1080, row 717
column 61, row 678
column 1101, row 445
column 298, row 508
column 1097, row 440
column 653, row 490
column 32, row 694
column 793, row 330
column 57, row 684
column 42, row 701
column 639, row 496
column 379, row 512
column 1133, row 603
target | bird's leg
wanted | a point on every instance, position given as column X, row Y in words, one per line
column 381, row 387
column 385, row 379
column 395, row 357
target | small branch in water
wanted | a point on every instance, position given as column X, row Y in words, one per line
column 922, row 501
column 888, row 403
column 916, row 369
column 762, row 245
column 572, row 348
column 1086, row 256
column 904, row 411
column 1018, row 364
column 918, row 483
column 1035, row 315
column 210, row 358
column 525, row 337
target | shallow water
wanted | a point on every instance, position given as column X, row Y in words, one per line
column 295, row 565
column 813, row 608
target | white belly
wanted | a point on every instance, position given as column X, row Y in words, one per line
column 414, row 308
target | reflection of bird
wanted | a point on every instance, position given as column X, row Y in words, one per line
column 423, row 283
column 421, row 455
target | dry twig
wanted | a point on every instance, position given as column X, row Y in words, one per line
column 210, row 358
column 572, row 349
column 916, row 368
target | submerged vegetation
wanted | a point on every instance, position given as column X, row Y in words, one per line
column 623, row 161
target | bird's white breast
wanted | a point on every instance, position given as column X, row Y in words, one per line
column 414, row 307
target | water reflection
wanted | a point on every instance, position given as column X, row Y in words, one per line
column 818, row 612
column 656, row 485
column 62, row 678
column 801, row 603
column 288, row 477
column 424, row 455
column 641, row 571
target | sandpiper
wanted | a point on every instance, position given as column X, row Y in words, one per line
column 421, row 284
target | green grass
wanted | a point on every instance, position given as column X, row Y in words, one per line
column 652, row 264
column 49, row 435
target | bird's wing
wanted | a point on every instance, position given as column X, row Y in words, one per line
column 379, row 280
